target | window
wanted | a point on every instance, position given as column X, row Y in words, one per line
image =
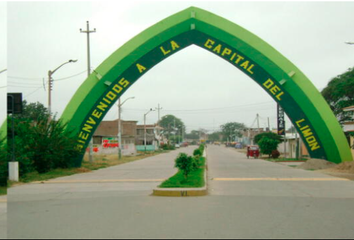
column 97, row 140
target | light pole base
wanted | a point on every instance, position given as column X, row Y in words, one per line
column 13, row 171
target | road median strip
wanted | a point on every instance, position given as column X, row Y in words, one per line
column 185, row 192
column 279, row 179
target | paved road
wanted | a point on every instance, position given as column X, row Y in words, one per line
column 3, row 216
column 248, row 199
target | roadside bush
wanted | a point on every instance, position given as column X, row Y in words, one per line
column 198, row 162
column 3, row 163
column 269, row 135
column 275, row 154
column 44, row 145
column 267, row 145
column 201, row 148
column 167, row 147
column 54, row 147
column 185, row 163
column 197, row 152
column 23, row 150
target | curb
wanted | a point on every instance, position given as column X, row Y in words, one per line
column 185, row 192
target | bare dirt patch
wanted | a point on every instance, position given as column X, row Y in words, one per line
column 342, row 170
column 316, row 164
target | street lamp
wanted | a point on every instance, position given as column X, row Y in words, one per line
column 350, row 43
column 151, row 110
column 120, row 127
column 3, row 70
column 50, row 81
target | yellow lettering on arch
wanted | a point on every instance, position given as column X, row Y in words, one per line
column 140, row 67
column 217, row 48
column 226, row 52
column 174, row 45
column 245, row 65
column 164, row 51
column 87, row 128
column 209, row 43
column 268, row 83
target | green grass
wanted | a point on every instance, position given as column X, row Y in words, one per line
column 3, row 191
column 285, row 159
column 195, row 179
column 100, row 161
column 35, row 176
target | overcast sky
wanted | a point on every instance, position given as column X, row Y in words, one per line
column 201, row 89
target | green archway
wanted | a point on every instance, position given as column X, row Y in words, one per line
column 284, row 82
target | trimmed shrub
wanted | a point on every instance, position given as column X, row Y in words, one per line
column 267, row 145
column 275, row 154
column 197, row 152
column 185, row 164
column 167, row 147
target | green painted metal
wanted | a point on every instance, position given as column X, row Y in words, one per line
column 283, row 81
column 3, row 130
column 149, row 148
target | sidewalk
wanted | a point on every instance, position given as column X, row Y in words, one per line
column 3, row 216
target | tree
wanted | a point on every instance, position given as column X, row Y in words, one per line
column 45, row 145
column 268, row 145
column 194, row 135
column 172, row 125
column 231, row 130
column 339, row 94
column 269, row 135
column 33, row 111
column 215, row 136
column 185, row 163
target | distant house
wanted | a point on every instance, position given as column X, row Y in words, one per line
column 153, row 137
column 105, row 138
column 348, row 127
column 290, row 145
column 248, row 136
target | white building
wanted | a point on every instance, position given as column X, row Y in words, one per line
column 348, row 127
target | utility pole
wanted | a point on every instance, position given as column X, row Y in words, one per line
column 119, row 135
column 158, row 113
column 88, row 31
column 257, row 122
column 50, row 86
column 268, row 125
column 158, row 123
column 145, row 128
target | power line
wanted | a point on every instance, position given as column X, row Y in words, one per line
column 40, row 79
column 24, row 78
column 20, row 86
column 61, row 79
column 25, row 83
column 209, row 109
column 33, row 92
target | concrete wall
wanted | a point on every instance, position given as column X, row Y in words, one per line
column 127, row 150
column 148, row 148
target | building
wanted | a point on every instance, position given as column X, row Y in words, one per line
column 293, row 147
column 248, row 136
column 105, row 138
column 153, row 137
column 348, row 127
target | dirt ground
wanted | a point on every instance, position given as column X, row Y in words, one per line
column 343, row 170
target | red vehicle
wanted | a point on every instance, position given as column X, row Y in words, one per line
column 252, row 151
